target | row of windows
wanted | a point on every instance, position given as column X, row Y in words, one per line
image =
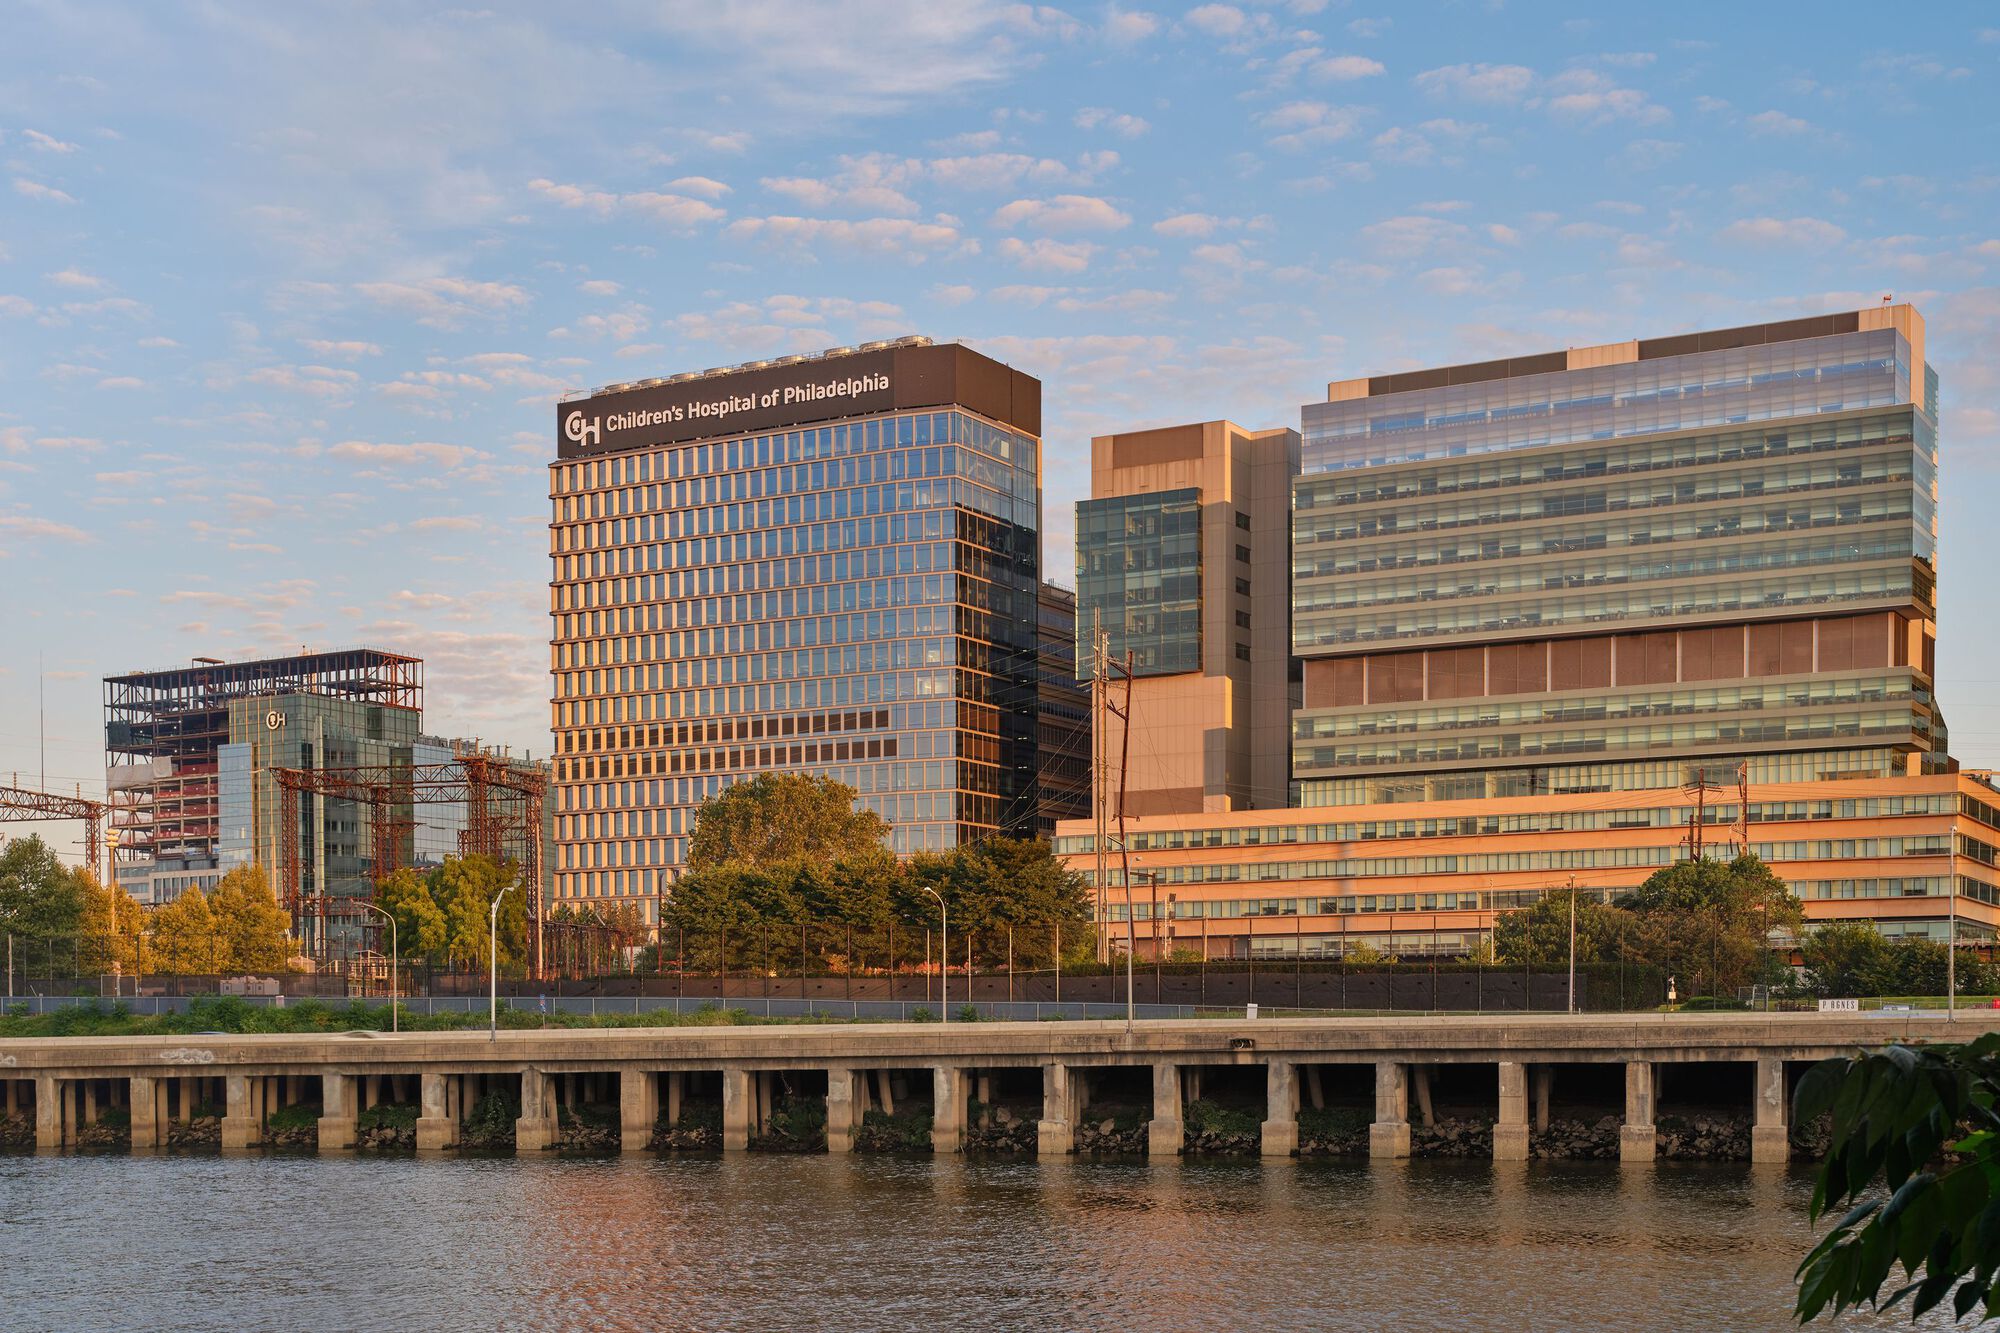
column 1817, row 692
column 1747, row 481
column 1817, row 725
column 1892, row 506
column 1889, row 584
column 1585, row 858
column 1582, row 779
column 1504, row 577
column 1629, row 457
column 1717, row 814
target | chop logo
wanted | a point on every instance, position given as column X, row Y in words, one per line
column 579, row 431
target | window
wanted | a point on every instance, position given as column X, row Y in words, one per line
column 1243, row 520
column 1243, row 587
column 1243, row 620
column 1242, row 652
column 1243, row 554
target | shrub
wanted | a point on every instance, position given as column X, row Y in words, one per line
column 1207, row 1117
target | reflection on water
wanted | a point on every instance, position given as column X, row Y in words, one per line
column 869, row 1243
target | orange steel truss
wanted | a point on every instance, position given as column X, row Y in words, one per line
column 499, row 800
column 19, row 805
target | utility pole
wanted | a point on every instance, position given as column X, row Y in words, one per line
column 1099, row 776
column 1124, row 716
column 1572, row 944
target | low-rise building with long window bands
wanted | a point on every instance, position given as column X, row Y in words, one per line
column 1542, row 607
column 825, row 564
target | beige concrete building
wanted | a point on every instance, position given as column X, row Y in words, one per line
column 1183, row 562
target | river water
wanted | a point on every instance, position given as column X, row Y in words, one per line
column 859, row 1243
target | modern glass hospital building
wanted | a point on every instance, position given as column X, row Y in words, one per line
column 824, row 564
column 1543, row 610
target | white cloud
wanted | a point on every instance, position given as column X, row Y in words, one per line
column 677, row 211
column 389, row 454
column 1809, row 232
column 15, row 305
column 599, row 287
column 36, row 190
column 1048, row 255
column 1478, row 82
column 1307, row 124
column 706, row 187
column 905, row 237
column 1777, row 122
column 1217, row 20
column 1065, row 213
column 312, row 381
column 1187, row 224
column 348, row 348
column 1370, row 27
column 1122, row 27
column 1125, row 126
column 121, row 382
column 1344, row 69
column 1412, row 235
column 76, row 278
column 1589, row 97
column 443, row 302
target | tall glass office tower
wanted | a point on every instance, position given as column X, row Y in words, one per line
column 1622, row 567
column 822, row 564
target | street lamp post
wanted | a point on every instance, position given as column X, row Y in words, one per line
column 493, row 962
column 395, row 954
column 944, row 958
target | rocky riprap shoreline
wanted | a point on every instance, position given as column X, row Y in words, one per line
column 1811, row 1140
column 698, row 1130
column 900, row 1131
column 1109, row 1131
column 1576, row 1140
column 1452, row 1136
column 1333, row 1132
column 1003, row 1131
column 17, row 1131
column 587, row 1129
column 1704, row 1137
column 387, row 1127
column 291, row 1138
column 198, row 1135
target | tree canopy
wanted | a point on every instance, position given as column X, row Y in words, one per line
column 441, row 915
column 776, row 818
column 1849, row 958
column 869, row 902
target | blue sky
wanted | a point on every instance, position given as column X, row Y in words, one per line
column 286, row 291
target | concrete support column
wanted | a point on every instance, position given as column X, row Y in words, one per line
column 240, row 1120
column 738, row 1094
column 1166, row 1132
column 1541, row 1080
column 1055, row 1132
column 1638, row 1137
column 947, row 1108
column 843, row 1107
column 638, row 1108
column 437, row 1129
column 1280, row 1136
column 145, row 1106
column 190, row 1100
column 537, row 1129
column 1510, row 1132
column 48, row 1112
column 1389, row 1135
column 676, row 1084
column 1770, row 1136
column 339, row 1115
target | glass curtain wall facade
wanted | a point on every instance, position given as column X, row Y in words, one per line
column 1139, row 580
column 856, row 600
column 1590, row 567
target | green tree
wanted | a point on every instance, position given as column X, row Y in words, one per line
column 421, row 928
column 1538, row 935
column 41, row 901
column 779, row 817
column 1844, row 959
column 1715, row 920
column 464, row 888
column 256, row 933
column 183, row 937
column 1910, row 1208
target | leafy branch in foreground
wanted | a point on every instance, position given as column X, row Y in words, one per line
column 1916, row 1161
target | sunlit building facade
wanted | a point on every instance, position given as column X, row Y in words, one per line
column 824, row 565
column 1573, row 616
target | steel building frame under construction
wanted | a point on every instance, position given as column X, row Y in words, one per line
column 503, row 802
column 181, row 716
